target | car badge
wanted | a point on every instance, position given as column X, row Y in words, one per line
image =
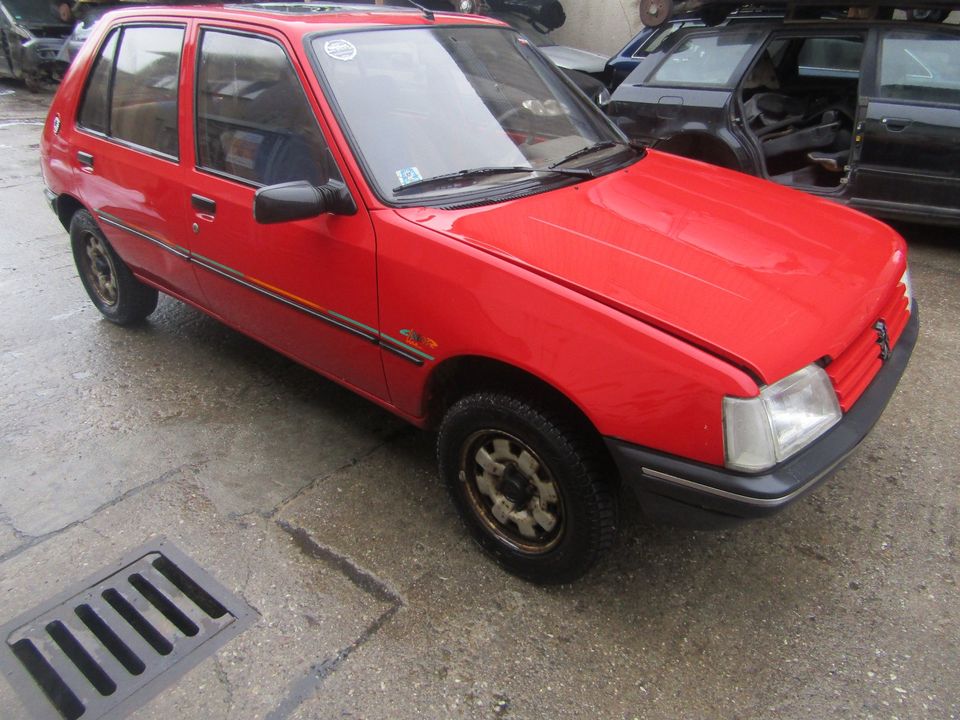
column 883, row 339
column 56, row 125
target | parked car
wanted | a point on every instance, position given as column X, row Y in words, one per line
column 31, row 34
column 864, row 113
column 651, row 37
column 420, row 207
column 536, row 19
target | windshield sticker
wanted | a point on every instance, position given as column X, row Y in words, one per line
column 408, row 175
column 340, row 50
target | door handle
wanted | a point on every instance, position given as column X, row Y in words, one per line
column 85, row 159
column 895, row 124
column 203, row 204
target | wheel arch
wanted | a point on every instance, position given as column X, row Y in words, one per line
column 66, row 208
column 460, row 376
column 704, row 146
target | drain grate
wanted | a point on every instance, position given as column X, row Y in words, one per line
column 108, row 645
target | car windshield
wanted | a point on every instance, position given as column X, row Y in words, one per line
column 32, row 12
column 460, row 110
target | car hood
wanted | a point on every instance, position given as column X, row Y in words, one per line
column 767, row 277
column 570, row 58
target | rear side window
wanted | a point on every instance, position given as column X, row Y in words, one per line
column 132, row 91
column 926, row 69
column 830, row 57
column 705, row 60
column 95, row 112
column 254, row 122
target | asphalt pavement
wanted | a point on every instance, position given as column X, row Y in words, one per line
column 324, row 514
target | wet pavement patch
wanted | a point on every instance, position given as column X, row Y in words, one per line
column 110, row 643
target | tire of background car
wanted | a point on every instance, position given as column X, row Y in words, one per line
column 713, row 15
column 528, row 486
column 654, row 13
column 927, row 15
column 116, row 293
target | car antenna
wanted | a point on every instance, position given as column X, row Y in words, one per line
column 427, row 13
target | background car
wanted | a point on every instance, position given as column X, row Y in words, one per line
column 31, row 34
column 865, row 113
column 650, row 38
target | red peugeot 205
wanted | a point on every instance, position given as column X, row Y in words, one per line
column 422, row 208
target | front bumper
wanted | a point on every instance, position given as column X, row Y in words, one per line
column 693, row 494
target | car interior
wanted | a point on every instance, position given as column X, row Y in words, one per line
column 799, row 103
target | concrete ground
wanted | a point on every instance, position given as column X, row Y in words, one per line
column 325, row 514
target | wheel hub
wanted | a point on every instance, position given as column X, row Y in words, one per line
column 512, row 491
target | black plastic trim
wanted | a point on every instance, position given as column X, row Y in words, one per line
column 658, row 476
column 115, row 222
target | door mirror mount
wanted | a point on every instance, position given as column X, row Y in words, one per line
column 300, row 200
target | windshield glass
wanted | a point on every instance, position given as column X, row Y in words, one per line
column 422, row 104
column 34, row 12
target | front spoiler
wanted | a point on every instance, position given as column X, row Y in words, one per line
column 679, row 490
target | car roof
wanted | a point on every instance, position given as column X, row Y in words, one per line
column 306, row 17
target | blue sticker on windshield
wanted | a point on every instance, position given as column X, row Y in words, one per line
column 408, row 175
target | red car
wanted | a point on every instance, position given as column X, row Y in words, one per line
column 420, row 207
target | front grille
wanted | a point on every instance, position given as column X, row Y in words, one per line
column 120, row 639
column 853, row 370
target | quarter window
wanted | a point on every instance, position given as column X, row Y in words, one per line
column 253, row 119
column 132, row 91
column 705, row 60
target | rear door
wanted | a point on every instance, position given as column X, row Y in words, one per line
column 127, row 150
column 909, row 150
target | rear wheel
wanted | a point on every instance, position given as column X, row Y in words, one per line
column 528, row 487
column 117, row 294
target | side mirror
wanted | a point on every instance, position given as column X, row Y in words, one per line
column 300, row 200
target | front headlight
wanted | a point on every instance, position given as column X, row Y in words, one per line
column 787, row 416
column 905, row 279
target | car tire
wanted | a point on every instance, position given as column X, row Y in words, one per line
column 528, row 487
column 116, row 293
column 927, row 15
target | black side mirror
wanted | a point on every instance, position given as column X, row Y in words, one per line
column 300, row 200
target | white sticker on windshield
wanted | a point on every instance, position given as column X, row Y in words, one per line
column 408, row 175
column 340, row 49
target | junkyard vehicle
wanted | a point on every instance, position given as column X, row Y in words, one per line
column 420, row 207
column 650, row 38
column 867, row 114
column 31, row 34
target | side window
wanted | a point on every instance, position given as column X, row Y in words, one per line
column 705, row 60
column 830, row 57
column 94, row 112
column 143, row 107
column 131, row 94
column 253, row 119
column 920, row 68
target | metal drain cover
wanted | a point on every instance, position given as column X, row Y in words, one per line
column 108, row 645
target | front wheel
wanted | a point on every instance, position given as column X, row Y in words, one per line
column 528, row 487
column 118, row 295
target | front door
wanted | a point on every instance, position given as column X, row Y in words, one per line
column 909, row 152
column 307, row 288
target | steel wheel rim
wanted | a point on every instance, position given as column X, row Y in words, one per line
column 488, row 459
column 99, row 268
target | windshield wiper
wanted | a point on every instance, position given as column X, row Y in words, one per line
column 586, row 151
column 481, row 171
